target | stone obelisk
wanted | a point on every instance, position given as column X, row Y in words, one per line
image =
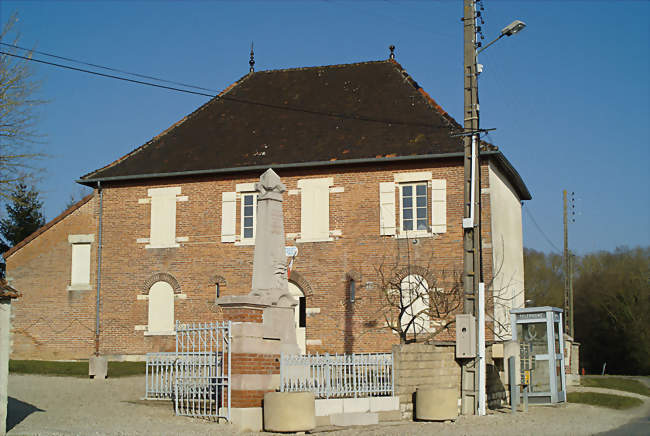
column 263, row 323
column 269, row 260
column 269, row 295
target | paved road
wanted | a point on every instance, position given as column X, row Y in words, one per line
column 639, row 427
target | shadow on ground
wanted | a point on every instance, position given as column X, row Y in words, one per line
column 17, row 411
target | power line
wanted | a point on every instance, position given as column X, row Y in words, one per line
column 112, row 76
column 107, row 68
column 229, row 98
column 530, row 215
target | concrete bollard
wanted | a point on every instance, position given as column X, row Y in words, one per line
column 98, row 367
column 289, row 411
column 433, row 404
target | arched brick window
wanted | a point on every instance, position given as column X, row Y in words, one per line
column 415, row 299
column 161, row 309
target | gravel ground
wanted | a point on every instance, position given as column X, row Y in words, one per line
column 61, row 405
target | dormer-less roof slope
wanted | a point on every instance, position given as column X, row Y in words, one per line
column 298, row 116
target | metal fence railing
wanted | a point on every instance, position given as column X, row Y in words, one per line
column 338, row 375
column 162, row 370
column 202, row 372
column 159, row 381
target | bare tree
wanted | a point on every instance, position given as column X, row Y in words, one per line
column 418, row 300
column 18, row 116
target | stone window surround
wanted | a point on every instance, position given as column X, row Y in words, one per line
column 144, row 296
column 80, row 240
column 162, row 193
column 402, row 179
column 434, row 189
column 303, row 184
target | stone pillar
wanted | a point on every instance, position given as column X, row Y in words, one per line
column 262, row 321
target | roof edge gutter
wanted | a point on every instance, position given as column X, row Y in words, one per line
column 498, row 155
column 511, row 173
column 274, row 166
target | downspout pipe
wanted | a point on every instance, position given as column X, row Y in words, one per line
column 99, row 265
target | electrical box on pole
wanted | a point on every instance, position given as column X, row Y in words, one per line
column 465, row 336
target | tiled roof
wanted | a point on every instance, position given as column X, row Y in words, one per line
column 315, row 114
column 33, row 236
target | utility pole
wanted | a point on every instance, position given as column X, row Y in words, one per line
column 472, row 193
column 568, row 298
column 572, row 259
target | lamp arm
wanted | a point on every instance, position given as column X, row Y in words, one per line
column 490, row 43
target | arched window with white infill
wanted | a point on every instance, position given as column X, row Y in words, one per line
column 161, row 309
column 415, row 300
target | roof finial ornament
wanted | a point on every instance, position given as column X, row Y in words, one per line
column 252, row 61
column 392, row 52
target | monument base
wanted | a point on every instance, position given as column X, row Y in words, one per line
column 247, row 418
column 260, row 333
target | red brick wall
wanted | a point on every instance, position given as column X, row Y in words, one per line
column 50, row 322
column 242, row 314
column 341, row 326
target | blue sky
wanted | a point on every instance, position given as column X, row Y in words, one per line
column 569, row 95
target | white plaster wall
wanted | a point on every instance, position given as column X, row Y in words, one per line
column 507, row 250
column 5, row 324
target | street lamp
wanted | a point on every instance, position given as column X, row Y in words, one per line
column 512, row 28
column 472, row 271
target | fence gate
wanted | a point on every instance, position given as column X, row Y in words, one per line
column 202, row 370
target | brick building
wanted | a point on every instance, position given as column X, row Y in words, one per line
column 374, row 176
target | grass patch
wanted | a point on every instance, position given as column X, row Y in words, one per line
column 618, row 383
column 604, row 400
column 73, row 369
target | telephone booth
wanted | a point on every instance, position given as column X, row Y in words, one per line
column 538, row 330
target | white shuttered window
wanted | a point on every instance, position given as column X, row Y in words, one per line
column 228, row 216
column 163, row 217
column 240, row 204
column 421, row 208
column 439, row 206
column 315, row 209
column 80, row 262
column 387, row 208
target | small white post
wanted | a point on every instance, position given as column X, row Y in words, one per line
column 481, row 350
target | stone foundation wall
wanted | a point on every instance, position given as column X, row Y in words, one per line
column 495, row 378
column 423, row 365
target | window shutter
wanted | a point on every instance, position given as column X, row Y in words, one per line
column 80, row 274
column 315, row 209
column 228, row 216
column 439, row 206
column 163, row 217
column 387, row 208
column 163, row 221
